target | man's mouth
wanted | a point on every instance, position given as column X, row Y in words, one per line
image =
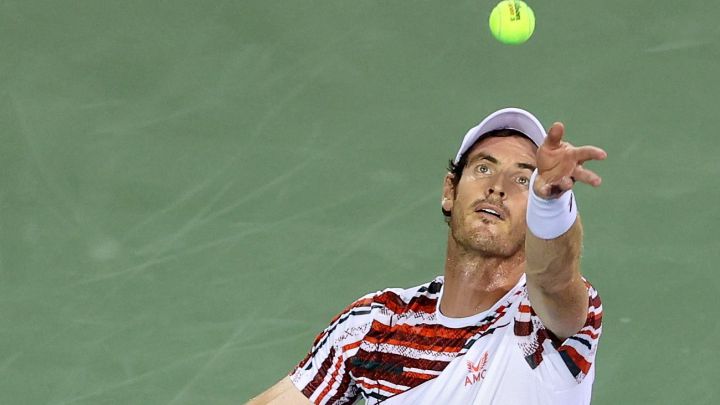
column 490, row 211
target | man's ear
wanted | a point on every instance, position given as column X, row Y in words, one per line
column 448, row 195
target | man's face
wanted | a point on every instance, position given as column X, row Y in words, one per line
column 488, row 204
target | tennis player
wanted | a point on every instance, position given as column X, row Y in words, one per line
column 512, row 321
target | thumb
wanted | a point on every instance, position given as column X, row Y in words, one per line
column 555, row 135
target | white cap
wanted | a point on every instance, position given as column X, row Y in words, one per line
column 507, row 118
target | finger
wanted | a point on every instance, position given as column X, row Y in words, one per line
column 586, row 176
column 553, row 190
column 545, row 190
column 584, row 153
column 566, row 183
column 555, row 135
column 548, row 190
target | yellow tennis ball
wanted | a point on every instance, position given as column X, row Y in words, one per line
column 512, row 22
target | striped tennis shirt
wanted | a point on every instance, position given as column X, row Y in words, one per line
column 395, row 347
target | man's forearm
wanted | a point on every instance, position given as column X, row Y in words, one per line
column 553, row 263
column 555, row 286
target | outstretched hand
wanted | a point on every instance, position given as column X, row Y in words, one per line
column 560, row 164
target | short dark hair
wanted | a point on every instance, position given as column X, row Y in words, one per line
column 456, row 169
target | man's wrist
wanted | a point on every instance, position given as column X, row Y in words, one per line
column 550, row 218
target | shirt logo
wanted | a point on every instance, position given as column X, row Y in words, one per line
column 476, row 371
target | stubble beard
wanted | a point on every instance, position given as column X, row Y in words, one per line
column 477, row 237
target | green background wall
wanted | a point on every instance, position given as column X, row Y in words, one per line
column 189, row 191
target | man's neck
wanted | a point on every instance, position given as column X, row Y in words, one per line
column 475, row 282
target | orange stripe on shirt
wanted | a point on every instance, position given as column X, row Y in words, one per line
column 419, row 376
column 351, row 346
column 577, row 358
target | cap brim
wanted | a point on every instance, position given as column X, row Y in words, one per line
column 507, row 118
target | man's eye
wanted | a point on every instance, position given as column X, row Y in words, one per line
column 523, row 180
column 483, row 169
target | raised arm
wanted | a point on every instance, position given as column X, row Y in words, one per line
column 553, row 242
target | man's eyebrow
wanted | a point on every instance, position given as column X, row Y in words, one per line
column 492, row 159
column 526, row 166
column 483, row 156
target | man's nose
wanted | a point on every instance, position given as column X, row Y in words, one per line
column 495, row 191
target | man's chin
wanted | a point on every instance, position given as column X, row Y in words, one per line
column 486, row 230
column 489, row 242
column 482, row 240
column 494, row 248
column 482, row 233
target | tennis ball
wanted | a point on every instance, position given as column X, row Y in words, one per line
column 512, row 22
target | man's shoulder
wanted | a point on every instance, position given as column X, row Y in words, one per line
column 419, row 298
column 404, row 296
